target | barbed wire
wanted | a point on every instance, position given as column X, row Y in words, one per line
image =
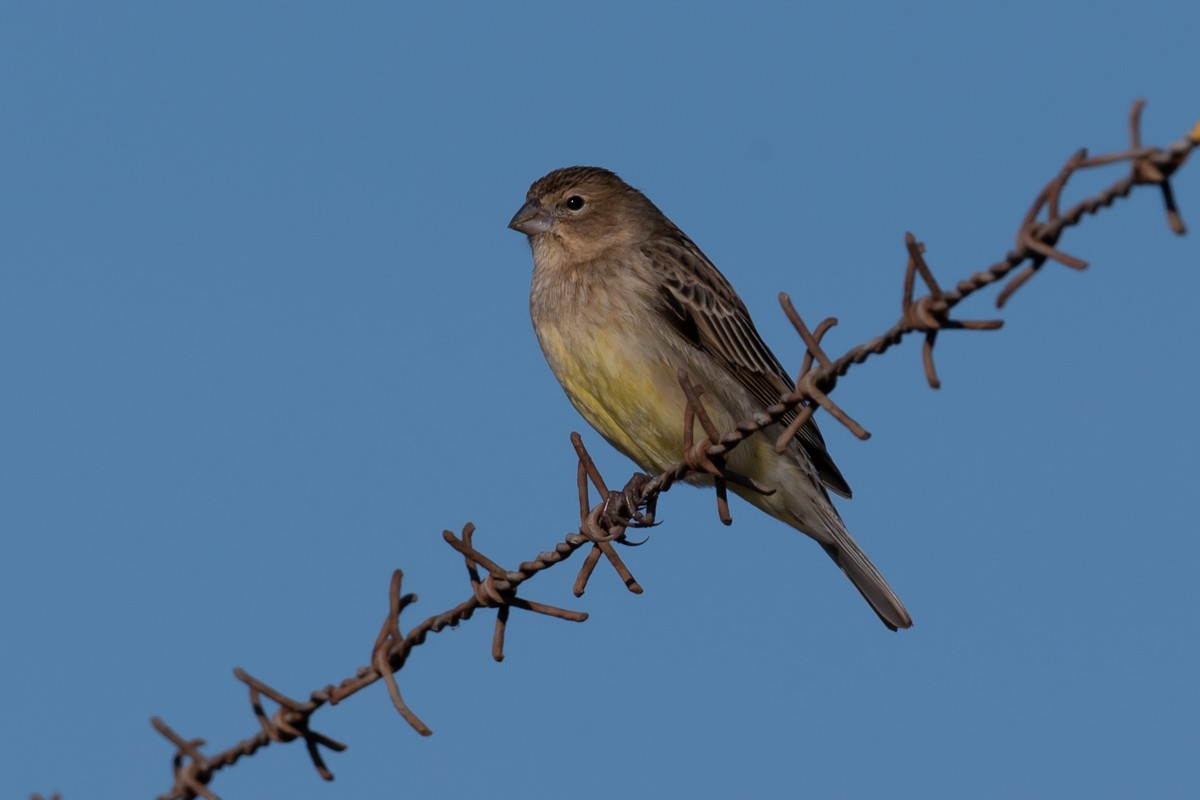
column 605, row 524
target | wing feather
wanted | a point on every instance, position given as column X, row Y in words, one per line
column 703, row 308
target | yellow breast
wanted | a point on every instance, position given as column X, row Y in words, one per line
column 623, row 386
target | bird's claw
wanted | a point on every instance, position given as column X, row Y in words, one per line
column 623, row 508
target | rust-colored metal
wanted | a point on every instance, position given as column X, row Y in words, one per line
column 499, row 589
column 814, row 383
column 606, row 523
column 389, row 634
column 921, row 314
column 290, row 721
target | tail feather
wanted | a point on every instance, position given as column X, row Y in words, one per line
column 804, row 504
column 870, row 584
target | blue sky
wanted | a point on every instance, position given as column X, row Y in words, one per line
column 263, row 335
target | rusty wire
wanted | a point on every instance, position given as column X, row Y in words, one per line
column 605, row 524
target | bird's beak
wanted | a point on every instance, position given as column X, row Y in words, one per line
column 531, row 219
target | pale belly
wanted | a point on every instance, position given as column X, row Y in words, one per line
column 631, row 394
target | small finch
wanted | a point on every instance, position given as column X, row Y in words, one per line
column 621, row 300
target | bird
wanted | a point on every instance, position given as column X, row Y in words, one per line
column 621, row 301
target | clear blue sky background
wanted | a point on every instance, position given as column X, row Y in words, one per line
column 263, row 335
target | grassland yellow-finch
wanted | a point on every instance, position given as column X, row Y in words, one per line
column 621, row 300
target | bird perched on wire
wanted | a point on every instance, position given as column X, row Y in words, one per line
column 621, row 300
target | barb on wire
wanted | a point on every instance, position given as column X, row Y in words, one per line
column 499, row 589
column 808, row 392
column 920, row 314
column 289, row 722
column 390, row 634
column 606, row 524
column 192, row 769
column 697, row 457
column 812, row 352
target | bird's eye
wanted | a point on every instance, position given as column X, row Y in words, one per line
column 575, row 202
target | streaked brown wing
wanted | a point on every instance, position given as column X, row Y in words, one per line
column 702, row 306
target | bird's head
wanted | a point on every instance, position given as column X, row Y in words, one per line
column 576, row 213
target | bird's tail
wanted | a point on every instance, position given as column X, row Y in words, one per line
column 846, row 553
column 807, row 508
